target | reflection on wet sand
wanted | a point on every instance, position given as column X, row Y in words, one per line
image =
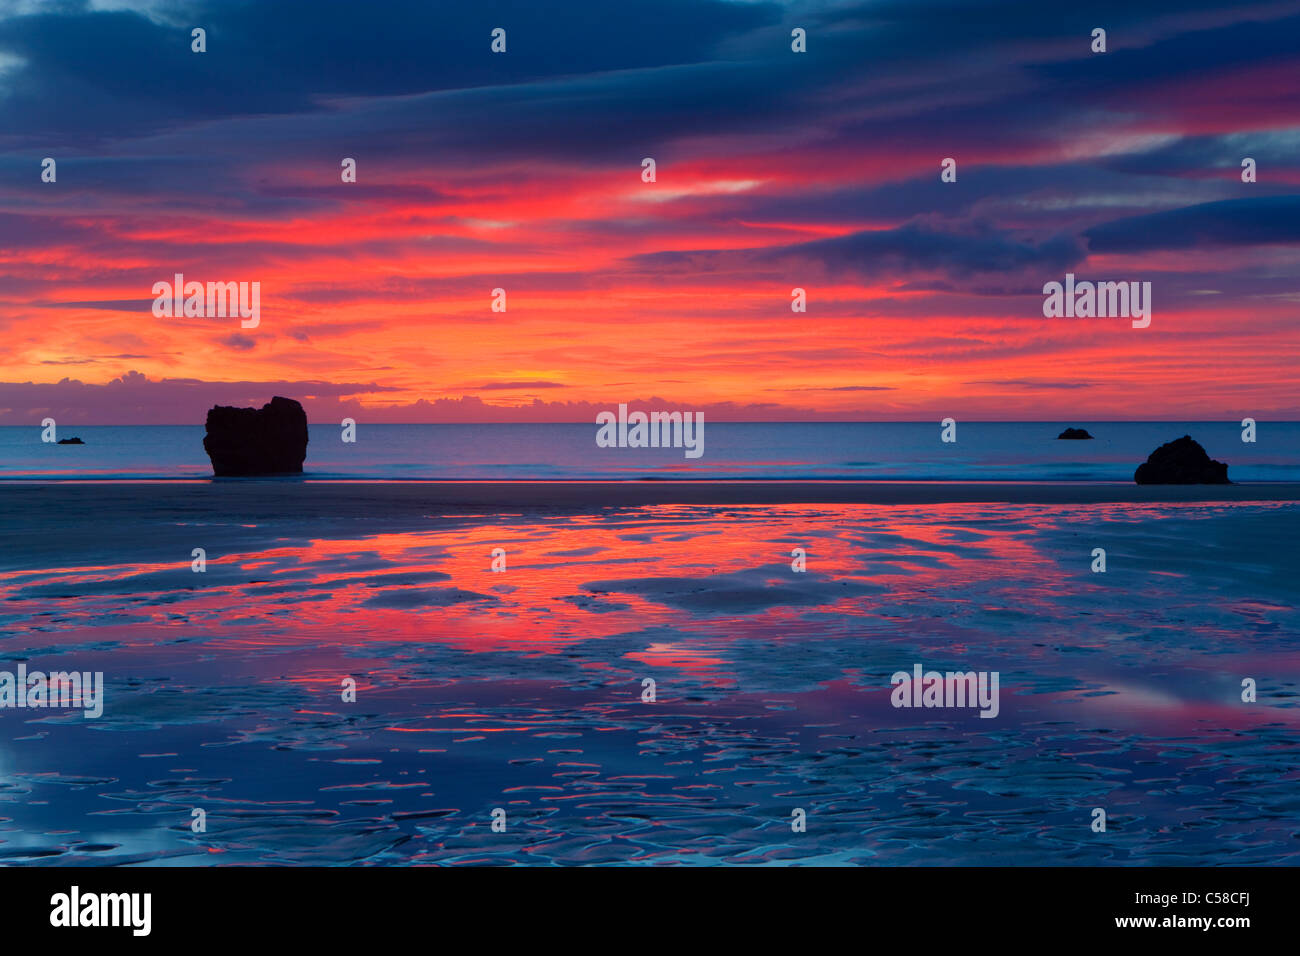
column 522, row 690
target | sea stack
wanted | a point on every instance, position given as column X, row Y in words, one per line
column 1074, row 433
column 1181, row 462
column 271, row 440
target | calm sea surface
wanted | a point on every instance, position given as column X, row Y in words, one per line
column 1026, row 451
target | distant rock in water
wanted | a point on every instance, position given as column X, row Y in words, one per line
column 71, row 441
column 271, row 440
column 1074, row 433
column 1181, row 462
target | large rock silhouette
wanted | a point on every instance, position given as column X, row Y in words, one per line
column 1181, row 462
column 271, row 440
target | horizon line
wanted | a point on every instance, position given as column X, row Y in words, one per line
column 746, row 421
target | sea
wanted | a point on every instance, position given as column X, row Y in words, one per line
column 896, row 451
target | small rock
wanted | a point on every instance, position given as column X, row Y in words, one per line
column 1075, row 433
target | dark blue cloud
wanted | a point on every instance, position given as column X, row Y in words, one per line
column 915, row 248
column 92, row 74
column 411, row 85
column 1262, row 220
column 1267, row 34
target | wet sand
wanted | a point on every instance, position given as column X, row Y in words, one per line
column 353, row 496
column 523, row 689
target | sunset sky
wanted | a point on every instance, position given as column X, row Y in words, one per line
column 775, row 169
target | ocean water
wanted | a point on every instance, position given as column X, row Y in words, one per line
column 1006, row 451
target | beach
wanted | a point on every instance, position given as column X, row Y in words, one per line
column 523, row 689
column 721, row 433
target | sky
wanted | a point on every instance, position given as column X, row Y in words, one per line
column 774, row 170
